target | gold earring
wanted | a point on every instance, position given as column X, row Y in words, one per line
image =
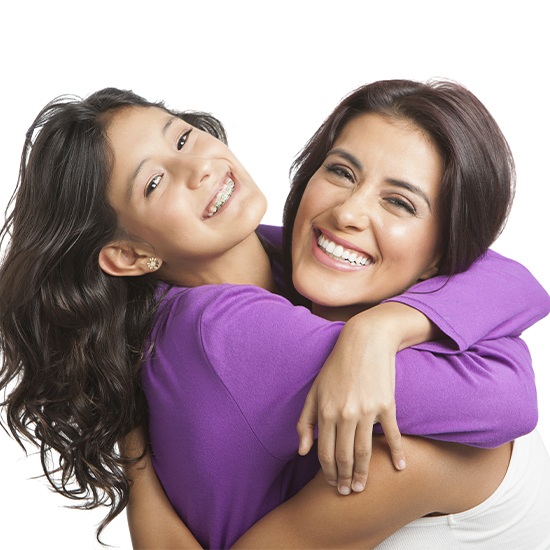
column 153, row 263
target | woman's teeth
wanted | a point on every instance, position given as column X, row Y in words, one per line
column 222, row 197
column 338, row 252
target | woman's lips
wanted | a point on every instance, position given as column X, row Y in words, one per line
column 338, row 253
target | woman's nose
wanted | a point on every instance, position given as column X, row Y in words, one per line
column 352, row 213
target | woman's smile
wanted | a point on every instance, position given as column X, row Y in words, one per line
column 337, row 253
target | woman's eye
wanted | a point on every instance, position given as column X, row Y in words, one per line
column 402, row 204
column 152, row 185
column 340, row 172
column 182, row 139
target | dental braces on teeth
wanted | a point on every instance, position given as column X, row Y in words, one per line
column 226, row 192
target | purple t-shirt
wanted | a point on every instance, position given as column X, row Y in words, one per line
column 232, row 366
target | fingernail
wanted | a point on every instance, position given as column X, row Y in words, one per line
column 343, row 490
column 357, row 486
column 331, row 482
column 401, row 464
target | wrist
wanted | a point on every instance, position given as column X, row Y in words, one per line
column 396, row 325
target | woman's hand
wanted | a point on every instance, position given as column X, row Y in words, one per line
column 356, row 389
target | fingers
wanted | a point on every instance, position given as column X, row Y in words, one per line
column 345, row 449
column 395, row 442
column 362, row 455
column 326, row 442
column 306, row 424
column 346, row 453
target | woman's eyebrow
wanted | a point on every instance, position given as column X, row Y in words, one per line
column 412, row 188
column 132, row 179
column 348, row 156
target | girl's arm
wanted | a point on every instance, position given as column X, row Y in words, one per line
column 440, row 478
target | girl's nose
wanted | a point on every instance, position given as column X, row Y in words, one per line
column 194, row 171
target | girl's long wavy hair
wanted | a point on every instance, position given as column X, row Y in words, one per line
column 478, row 183
column 72, row 338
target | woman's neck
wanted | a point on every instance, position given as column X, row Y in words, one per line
column 338, row 313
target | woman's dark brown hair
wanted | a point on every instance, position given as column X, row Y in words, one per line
column 71, row 337
column 479, row 176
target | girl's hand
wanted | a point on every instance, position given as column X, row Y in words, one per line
column 356, row 389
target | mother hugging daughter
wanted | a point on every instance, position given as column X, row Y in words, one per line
column 135, row 261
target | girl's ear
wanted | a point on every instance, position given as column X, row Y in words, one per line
column 124, row 259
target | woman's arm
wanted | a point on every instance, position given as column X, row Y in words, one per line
column 152, row 520
column 243, row 391
column 495, row 298
column 356, row 389
column 440, row 478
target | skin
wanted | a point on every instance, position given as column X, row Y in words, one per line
column 355, row 201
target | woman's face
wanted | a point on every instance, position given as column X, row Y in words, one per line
column 367, row 226
column 180, row 190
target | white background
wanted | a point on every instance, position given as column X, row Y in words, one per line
column 271, row 71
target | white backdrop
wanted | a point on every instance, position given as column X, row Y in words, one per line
column 271, row 71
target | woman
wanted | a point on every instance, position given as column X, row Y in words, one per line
column 95, row 325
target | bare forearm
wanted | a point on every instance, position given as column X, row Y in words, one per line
column 440, row 477
column 398, row 325
column 152, row 520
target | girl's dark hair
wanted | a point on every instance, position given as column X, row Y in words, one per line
column 478, row 179
column 71, row 337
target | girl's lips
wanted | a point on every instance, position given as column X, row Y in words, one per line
column 221, row 197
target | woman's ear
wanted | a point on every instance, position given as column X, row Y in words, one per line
column 124, row 259
column 432, row 271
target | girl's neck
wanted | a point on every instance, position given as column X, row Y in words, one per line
column 245, row 264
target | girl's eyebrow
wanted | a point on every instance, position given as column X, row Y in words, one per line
column 132, row 179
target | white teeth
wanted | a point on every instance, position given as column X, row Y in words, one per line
column 340, row 253
column 222, row 197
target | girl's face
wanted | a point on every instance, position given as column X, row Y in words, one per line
column 181, row 192
column 367, row 226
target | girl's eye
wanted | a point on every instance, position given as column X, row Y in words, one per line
column 404, row 205
column 152, row 185
column 182, row 139
column 340, row 171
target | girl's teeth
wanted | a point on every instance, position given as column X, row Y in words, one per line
column 339, row 252
column 222, row 198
